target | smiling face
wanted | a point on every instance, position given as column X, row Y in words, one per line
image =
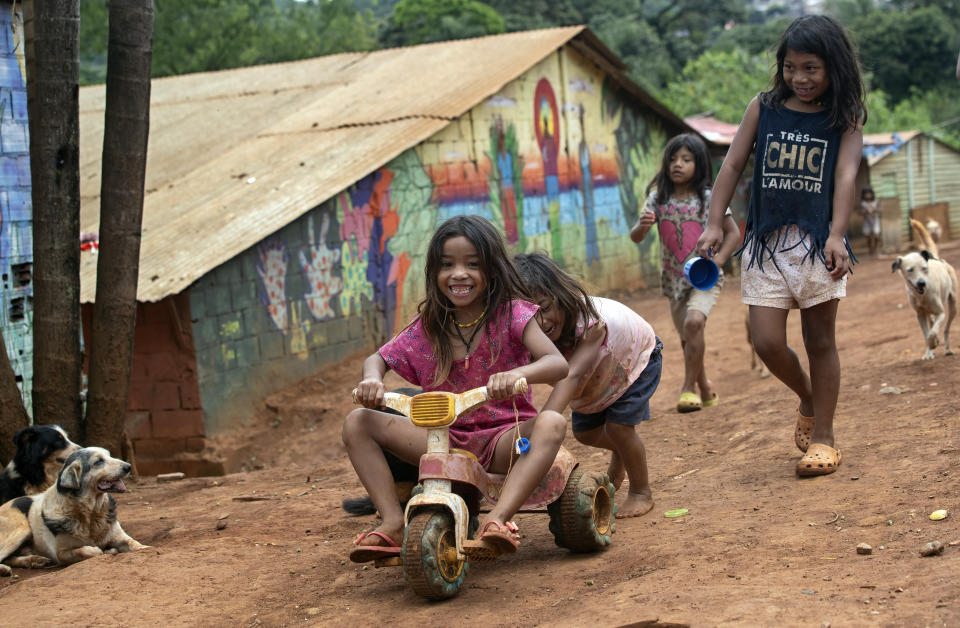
column 461, row 279
column 550, row 317
column 806, row 76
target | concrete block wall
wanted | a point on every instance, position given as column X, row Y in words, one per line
column 16, row 209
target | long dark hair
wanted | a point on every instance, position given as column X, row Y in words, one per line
column 823, row 36
column 544, row 278
column 503, row 284
column 702, row 173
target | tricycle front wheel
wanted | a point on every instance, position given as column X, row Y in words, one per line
column 430, row 555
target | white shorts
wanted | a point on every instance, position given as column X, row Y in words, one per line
column 798, row 283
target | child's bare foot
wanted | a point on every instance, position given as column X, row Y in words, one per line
column 616, row 471
column 637, row 504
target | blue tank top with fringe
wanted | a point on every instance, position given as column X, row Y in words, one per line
column 793, row 173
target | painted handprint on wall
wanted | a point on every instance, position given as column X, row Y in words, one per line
column 317, row 264
column 354, row 277
column 272, row 269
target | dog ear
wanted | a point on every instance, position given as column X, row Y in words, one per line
column 896, row 265
column 23, row 436
column 925, row 254
column 28, row 458
column 70, row 476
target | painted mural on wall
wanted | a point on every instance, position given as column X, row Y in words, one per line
column 558, row 166
column 16, row 232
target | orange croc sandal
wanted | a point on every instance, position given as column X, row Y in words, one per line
column 689, row 402
column 803, row 431
column 820, row 459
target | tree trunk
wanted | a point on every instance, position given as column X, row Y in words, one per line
column 126, row 128
column 52, row 28
column 13, row 416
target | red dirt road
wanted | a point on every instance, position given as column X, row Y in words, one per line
column 759, row 546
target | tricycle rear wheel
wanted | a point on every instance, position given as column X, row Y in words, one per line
column 582, row 519
column 430, row 555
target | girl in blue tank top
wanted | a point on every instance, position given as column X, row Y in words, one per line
column 805, row 136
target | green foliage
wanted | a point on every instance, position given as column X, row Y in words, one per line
column 522, row 15
column 207, row 35
column 718, row 83
column 423, row 21
column 907, row 49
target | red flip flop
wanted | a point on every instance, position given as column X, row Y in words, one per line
column 366, row 553
column 502, row 537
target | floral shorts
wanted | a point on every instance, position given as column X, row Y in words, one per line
column 798, row 283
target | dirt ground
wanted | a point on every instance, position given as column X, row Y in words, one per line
column 758, row 547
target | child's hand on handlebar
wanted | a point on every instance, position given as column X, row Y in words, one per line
column 370, row 392
column 500, row 386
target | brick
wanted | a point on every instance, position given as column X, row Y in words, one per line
column 138, row 425
column 154, row 313
column 230, row 327
column 198, row 305
column 166, row 396
column 356, row 327
column 243, row 295
column 196, row 444
column 14, row 137
column 140, row 396
column 229, row 272
column 162, row 367
column 177, row 423
column 190, row 392
column 158, row 448
column 205, row 333
column 248, row 352
column 153, row 338
column 271, row 345
column 218, row 299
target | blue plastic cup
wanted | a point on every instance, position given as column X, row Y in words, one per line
column 701, row 272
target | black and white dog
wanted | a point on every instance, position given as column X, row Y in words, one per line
column 41, row 452
column 72, row 520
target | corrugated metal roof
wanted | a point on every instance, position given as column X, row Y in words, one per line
column 877, row 146
column 236, row 155
column 717, row 131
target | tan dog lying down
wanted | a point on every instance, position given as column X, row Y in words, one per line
column 931, row 285
column 72, row 520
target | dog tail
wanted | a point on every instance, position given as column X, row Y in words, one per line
column 358, row 506
column 926, row 241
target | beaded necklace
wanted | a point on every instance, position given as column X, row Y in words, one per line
column 471, row 324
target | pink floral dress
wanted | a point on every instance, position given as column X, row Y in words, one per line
column 499, row 349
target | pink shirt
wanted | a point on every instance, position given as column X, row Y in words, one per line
column 499, row 349
column 623, row 356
